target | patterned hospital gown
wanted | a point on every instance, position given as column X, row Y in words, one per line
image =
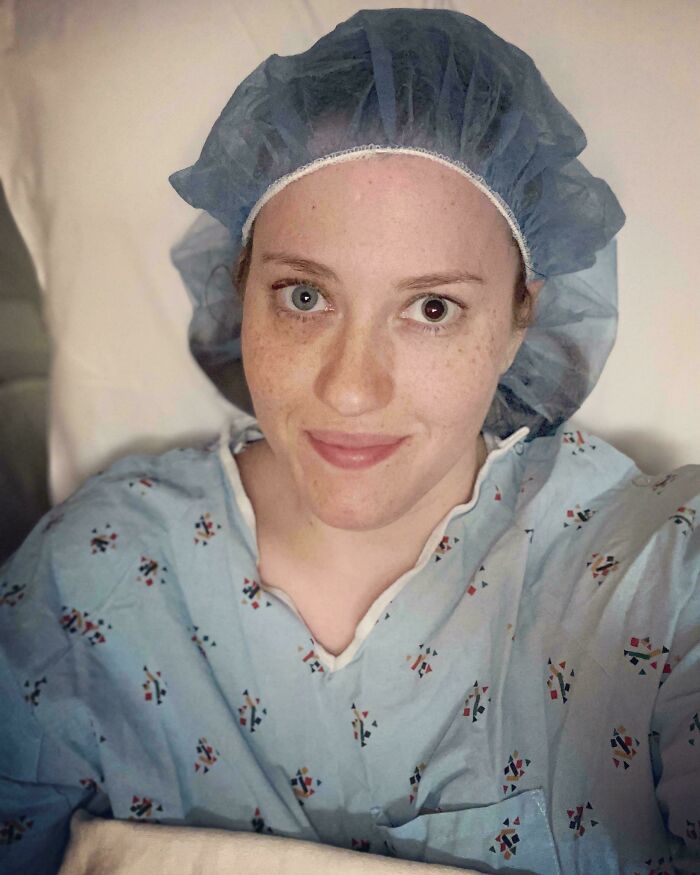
column 525, row 699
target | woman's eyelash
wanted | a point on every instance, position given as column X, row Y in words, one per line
column 303, row 317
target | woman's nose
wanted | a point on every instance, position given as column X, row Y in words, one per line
column 355, row 373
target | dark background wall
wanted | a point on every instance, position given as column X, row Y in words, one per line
column 24, row 365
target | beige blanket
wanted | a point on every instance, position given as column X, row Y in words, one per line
column 116, row 847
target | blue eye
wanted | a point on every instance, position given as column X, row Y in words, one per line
column 299, row 298
column 304, row 297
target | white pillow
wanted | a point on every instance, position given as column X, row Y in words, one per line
column 101, row 101
column 117, row 847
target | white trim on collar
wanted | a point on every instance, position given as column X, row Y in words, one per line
column 497, row 449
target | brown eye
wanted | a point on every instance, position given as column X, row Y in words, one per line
column 435, row 313
column 434, row 309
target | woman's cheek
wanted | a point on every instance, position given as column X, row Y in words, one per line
column 275, row 367
column 259, row 364
column 263, row 374
column 444, row 385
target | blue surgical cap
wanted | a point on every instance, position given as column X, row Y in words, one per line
column 439, row 84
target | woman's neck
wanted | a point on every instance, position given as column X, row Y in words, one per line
column 286, row 529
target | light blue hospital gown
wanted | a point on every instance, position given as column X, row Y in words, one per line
column 526, row 698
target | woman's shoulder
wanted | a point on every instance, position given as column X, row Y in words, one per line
column 135, row 493
column 181, row 470
column 122, row 524
column 574, row 462
column 612, row 553
column 582, row 491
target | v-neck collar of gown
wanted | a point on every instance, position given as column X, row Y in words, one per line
column 233, row 443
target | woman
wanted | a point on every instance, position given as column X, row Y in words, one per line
column 404, row 609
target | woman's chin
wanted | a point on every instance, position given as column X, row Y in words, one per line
column 358, row 515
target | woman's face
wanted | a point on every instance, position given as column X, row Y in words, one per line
column 362, row 339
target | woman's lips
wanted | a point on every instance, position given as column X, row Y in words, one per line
column 353, row 450
column 355, row 440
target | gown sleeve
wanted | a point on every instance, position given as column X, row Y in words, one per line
column 48, row 761
column 675, row 729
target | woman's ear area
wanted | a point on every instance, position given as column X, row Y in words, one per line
column 523, row 320
column 534, row 287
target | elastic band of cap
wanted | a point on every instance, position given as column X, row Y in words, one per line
column 357, row 152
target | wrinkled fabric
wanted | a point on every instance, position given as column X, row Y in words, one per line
column 442, row 83
column 525, row 698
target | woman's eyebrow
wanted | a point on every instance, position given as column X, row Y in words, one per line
column 416, row 282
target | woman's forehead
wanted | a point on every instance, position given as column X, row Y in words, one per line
column 402, row 200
